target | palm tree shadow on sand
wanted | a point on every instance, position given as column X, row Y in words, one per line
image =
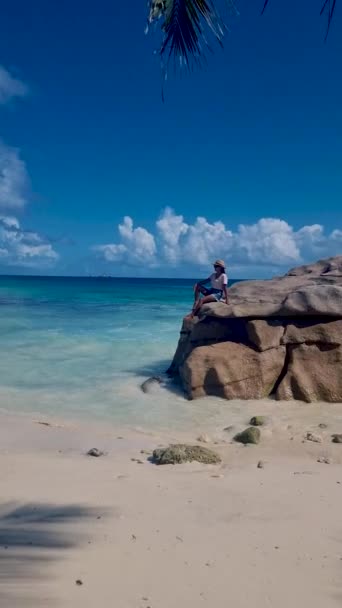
column 32, row 537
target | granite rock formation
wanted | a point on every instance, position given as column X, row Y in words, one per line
column 280, row 337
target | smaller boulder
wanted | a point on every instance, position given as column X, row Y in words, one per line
column 95, row 452
column 229, row 429
column 313, row 437
column 179, row 453
column 204, row 438
column 151, row 383
column 257, row 421
column 250, row 435
column 324, row 460
column 337, row 438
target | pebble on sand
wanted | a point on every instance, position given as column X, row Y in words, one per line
column 337, row 438
column 94, row 452
column 312, row 437
column 324, row 460
column 229, row 429
column 204, row 438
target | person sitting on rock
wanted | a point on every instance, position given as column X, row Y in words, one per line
column 217, row 292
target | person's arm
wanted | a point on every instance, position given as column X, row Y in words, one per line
column 201, row 283
column 225, row 288
column 204, row 282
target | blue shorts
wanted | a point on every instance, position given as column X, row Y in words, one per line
column 216, row 293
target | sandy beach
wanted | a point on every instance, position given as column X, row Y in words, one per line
column 78, row 531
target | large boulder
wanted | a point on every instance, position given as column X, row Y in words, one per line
column 313, row 373
column 303, row 331
column 315, row 289
column 282, row 336
column 265, row 333
column 184, row 346
column 210, row 331
column 317, row 300
column 200, row 332
column 232, row 371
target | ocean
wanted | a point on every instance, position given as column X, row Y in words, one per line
column 81, row 347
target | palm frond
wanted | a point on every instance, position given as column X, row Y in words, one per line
column 185, row 25
column 328, row 7
column 264, row 7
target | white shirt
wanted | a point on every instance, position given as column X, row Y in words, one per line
column 218, row 282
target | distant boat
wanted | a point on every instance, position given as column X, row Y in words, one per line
column 99, row 276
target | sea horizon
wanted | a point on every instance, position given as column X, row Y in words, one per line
column 105, row 276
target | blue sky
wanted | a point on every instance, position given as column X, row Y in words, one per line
column 252, row 143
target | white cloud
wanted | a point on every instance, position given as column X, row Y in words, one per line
column 20, row 247
column 270, row 242
column 171, row 228
column 10, row 86
column 111, row 253
column 14, row 179
column 336, row 235
column 140, row 243
column 204, row 242
column 138, row 246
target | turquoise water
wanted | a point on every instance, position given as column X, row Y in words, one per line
column 82, row 346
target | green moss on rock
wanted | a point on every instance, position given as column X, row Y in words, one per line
column 179, row 453
column 250, row 435
column 258, row 420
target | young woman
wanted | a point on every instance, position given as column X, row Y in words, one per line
column 218, row 288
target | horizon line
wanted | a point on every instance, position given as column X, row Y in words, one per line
column 69, row 276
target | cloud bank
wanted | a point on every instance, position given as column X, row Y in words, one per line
column 14, row 180
column 10, row 87
column 20, row 247
column 270, row 242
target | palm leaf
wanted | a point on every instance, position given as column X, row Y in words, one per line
column 184, row 27
column 185, row 24
column 264, row 7
column 328, row 7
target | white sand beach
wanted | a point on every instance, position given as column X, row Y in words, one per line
column 137, row 535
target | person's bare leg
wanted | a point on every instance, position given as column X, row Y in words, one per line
column 197, row 301
column 200, row 303
column 197, row 305
column 197, row 293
